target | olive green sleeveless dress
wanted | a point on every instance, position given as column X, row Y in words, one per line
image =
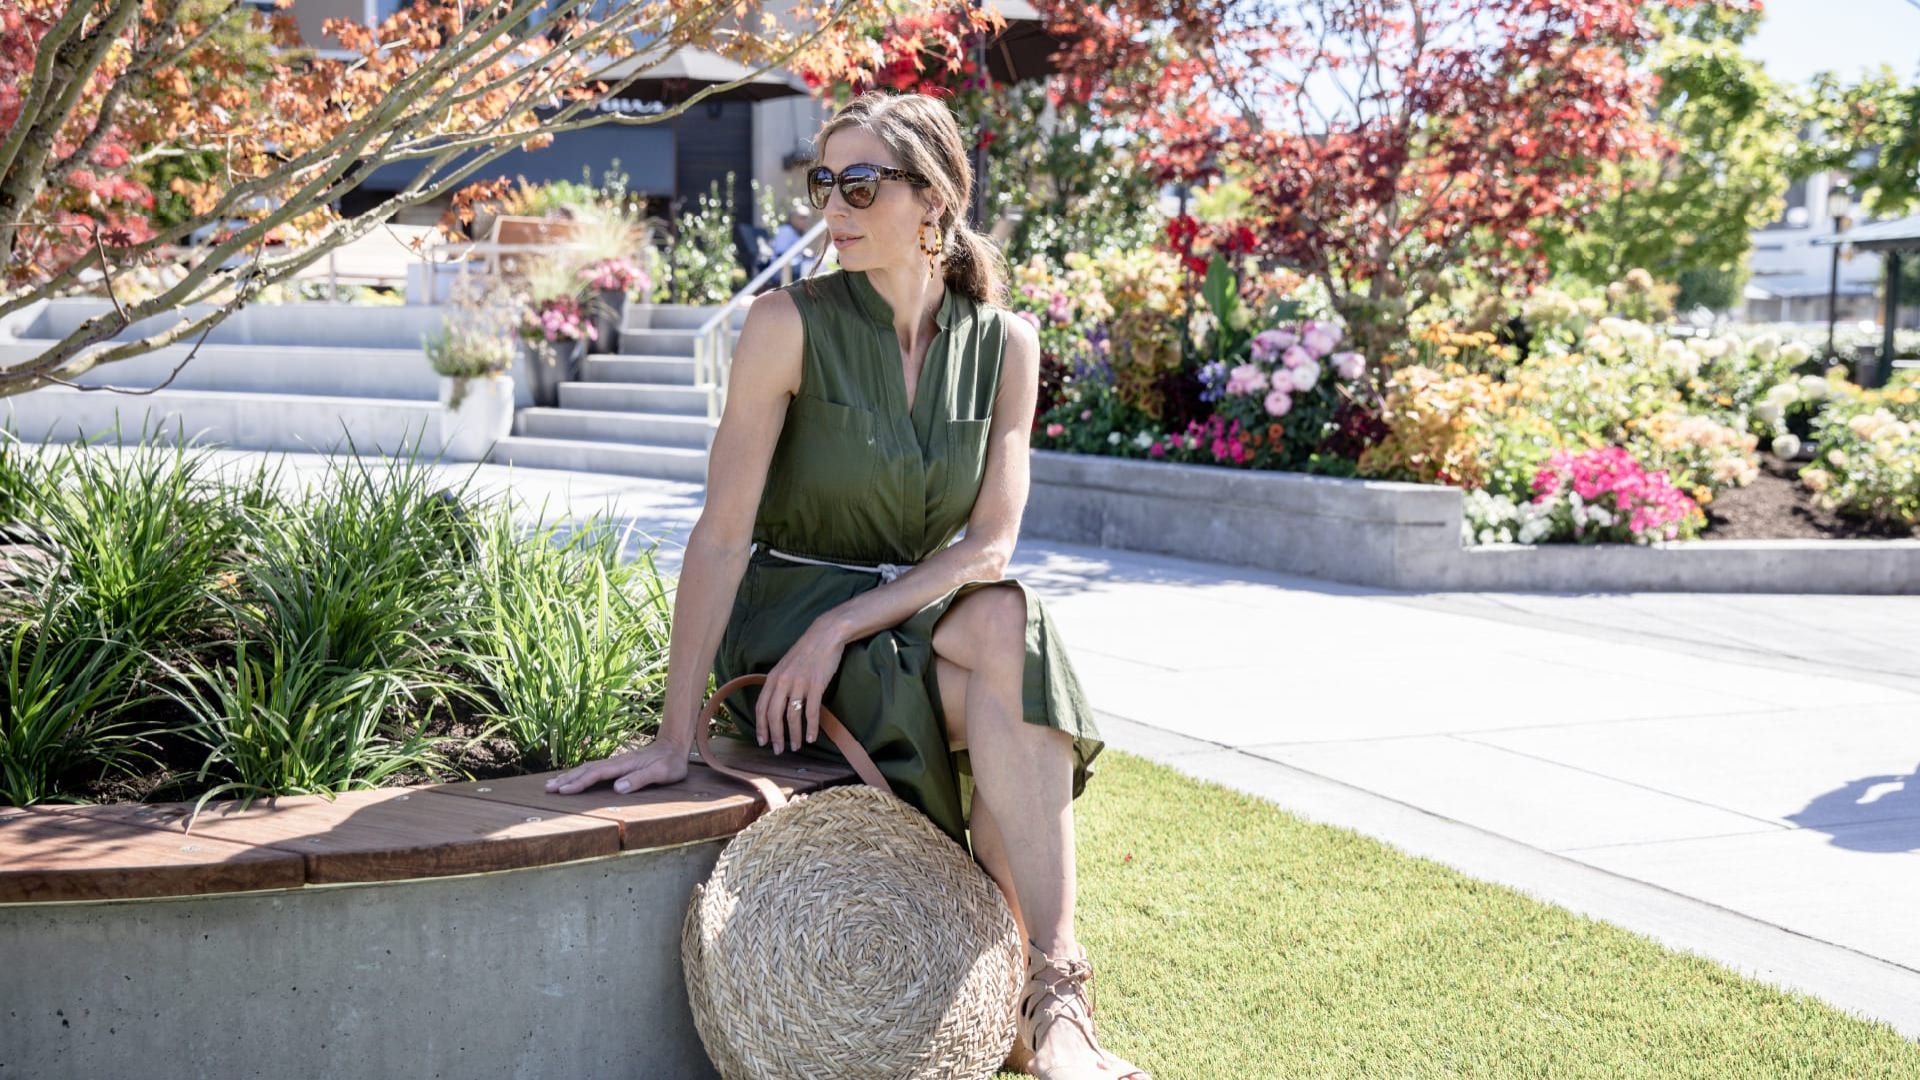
column 862, row 476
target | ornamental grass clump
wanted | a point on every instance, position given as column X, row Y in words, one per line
column 564, row 645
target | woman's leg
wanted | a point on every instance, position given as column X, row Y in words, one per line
column 1022, row 772
column 1022, row 815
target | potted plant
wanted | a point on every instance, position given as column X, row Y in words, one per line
column 476, row 393
column 556, row 323
column 606, row 239
column 612, row 279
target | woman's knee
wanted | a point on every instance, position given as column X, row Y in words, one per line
column 986, row 628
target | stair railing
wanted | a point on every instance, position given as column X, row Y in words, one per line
column 713, row 344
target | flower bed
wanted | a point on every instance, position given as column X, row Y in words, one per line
column 1564, row 425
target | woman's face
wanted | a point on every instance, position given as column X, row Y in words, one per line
column 885, row 234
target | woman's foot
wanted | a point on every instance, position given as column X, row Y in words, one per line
column 1056, row 1022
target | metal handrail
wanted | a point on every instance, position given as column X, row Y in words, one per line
column 713, row 344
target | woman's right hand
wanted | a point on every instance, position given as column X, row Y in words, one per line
column 651, row 765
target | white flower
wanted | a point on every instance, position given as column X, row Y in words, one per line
column 1599, row 515
column 1765, row 346
column 1305, row 376
column 1793, row 352
column 1787, row 446
column 1113, row 438
column 1813, row 387
column 1782, row 395
column 1769, row 413
column 1143, row 440
column 1240, row 318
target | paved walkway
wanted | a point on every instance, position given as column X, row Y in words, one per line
column 1737, row 776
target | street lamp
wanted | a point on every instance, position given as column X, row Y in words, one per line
column 1839, row 205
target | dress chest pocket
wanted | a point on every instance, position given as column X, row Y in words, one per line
column 963, row 458
column 826, row 451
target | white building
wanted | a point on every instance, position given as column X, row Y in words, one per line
column 1791, row 275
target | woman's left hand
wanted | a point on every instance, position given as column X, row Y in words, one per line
column 803, row 673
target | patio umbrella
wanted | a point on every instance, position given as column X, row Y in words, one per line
column 688, row 70
column 1021, row 51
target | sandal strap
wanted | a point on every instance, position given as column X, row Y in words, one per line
column 1059, row 988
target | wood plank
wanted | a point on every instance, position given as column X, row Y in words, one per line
column 57, row 856
column 705, row 805
column 388, row 834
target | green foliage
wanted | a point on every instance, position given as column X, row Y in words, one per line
column 297, row 642
column 702, row 264
column 1690, row 210
column 1870, row 129
column 60, row 693
column 565, row 643
column 1074, row 182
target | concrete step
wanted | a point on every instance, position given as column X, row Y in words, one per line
column 348, row 371
column 635, row 397
column 300, row 422
column 575, row 455
column 677, row 316
column 660, row 370
column 658, row 342
column 633, row 429
column 324, row 325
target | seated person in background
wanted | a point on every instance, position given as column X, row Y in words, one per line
column 799, row 220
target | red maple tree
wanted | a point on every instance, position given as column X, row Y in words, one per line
column 1384, row 141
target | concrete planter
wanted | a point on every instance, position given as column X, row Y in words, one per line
column 483, row 416
column 481, row 928
column 1407, row 536
column 561, row 971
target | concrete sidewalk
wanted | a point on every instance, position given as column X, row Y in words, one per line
column 1736, row 776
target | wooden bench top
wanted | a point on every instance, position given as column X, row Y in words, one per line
column 126, row 851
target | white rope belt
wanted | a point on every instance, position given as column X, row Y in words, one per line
column 887, row 571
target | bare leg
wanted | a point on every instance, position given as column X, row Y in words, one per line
column 1023, row 780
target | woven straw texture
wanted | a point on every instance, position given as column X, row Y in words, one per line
column 845, row 937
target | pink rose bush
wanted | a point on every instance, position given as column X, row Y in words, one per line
column 616, row 275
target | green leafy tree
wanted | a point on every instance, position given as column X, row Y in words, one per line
column 1686, row 213
column 1870, row 129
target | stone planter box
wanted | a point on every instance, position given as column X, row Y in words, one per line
column 474, row 929
column 1407, row 536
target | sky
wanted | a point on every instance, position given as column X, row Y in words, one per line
column 1801, row 37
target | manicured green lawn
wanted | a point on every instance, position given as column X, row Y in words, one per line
column 1231, row 939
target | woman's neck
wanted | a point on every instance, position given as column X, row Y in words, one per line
column 914, row 295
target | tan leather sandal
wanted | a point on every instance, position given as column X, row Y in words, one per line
column 1060, row 988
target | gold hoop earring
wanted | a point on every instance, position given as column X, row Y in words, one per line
column 930, row 251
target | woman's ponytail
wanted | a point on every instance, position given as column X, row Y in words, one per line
column 975, row 266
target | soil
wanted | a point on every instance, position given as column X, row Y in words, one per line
column 1776, row 506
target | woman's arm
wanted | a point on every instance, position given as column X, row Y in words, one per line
column 992, row 528
column 766, row 372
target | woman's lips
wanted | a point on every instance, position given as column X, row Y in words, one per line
column 843, row 241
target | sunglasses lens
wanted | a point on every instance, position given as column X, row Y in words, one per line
column 819, row 187
column 859, row 184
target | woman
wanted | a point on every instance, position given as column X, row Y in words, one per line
column 870, row 414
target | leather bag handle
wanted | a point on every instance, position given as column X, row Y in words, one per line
column 830, row 725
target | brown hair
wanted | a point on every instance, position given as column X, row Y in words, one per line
column 921, row 132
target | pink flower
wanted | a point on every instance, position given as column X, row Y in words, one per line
column 1295, row 356
column 1246, row 379
column 1319, row 337
column 1054, row 431
column 1349, row 365
column 1268, row 344
column 1279, row 402
column 1086, row 414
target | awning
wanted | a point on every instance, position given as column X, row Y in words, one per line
column 1800, row 286
column 1900, row 234
column 645, row 153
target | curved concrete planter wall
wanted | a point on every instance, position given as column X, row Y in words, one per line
column 1407, row 536
column 459, row 930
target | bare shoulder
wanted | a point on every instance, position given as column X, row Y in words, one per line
column 1020, row 359
column 771, row 342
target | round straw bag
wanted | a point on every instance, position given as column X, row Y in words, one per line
column 844, row 935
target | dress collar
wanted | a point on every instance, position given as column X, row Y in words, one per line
column 880, row 311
